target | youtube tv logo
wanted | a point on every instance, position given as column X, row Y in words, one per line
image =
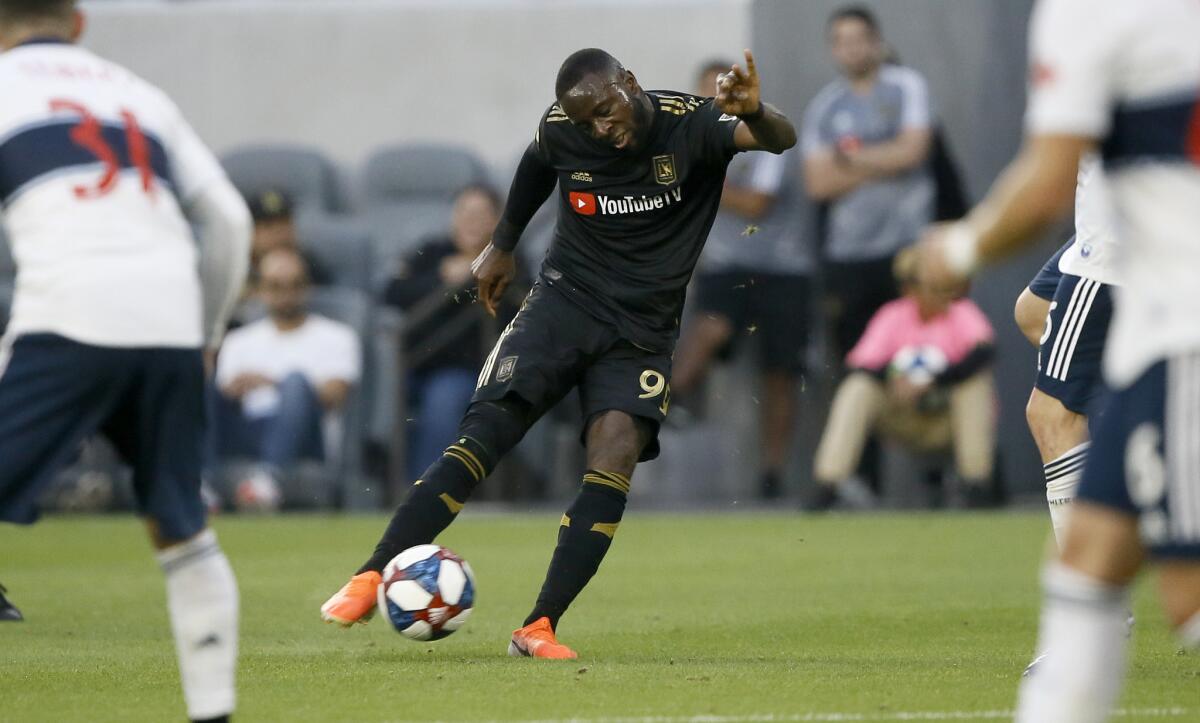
column 584, row 204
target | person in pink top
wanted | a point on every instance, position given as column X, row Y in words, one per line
column 921, row 375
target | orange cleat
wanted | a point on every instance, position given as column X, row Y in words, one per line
column 355, row 602
column 536, row 640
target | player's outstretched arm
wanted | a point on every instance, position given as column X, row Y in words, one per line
column 495, row 268
column 763, row 127
column 1036, row 190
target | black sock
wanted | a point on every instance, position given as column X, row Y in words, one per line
column 433, row 501
column 586, row 533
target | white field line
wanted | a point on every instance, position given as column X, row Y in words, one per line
column 950, row 715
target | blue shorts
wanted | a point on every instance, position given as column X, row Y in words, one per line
column 55, row 392
column 1145, row 457
column 1045, row 283
column 1073, row 343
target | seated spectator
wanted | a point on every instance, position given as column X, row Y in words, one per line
column 279, row 380
column 447, row 335
column 920, row 374
column 275, row 228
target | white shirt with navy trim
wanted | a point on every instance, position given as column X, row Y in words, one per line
column 1128, row 74
column 96, row 166
column 1092, row 254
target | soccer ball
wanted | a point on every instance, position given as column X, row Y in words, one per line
column 427, row 592
column 921, row 364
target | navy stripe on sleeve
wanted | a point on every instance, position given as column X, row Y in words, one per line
column 1152, row 131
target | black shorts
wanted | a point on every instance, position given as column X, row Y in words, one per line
column 770, row 308
column 552, row 345
column 55, row 392
column 1145, row 457
column 1072, row 345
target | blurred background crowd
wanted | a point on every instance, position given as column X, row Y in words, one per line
column 374, row 143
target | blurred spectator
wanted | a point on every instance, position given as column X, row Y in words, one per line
column 754, row 280
column 275, row 228
column 279, row 380
column 866, row 142
column 447, row 336
column 921, row 374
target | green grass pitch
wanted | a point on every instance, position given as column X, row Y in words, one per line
column 765, row 617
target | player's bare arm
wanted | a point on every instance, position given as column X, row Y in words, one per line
column 763, row 127
column 1036, row 190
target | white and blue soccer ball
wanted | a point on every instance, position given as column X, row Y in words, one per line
column 920, row 363
column 427, row 592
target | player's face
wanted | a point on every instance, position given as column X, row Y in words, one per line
column 610, row 108
column 855, row 47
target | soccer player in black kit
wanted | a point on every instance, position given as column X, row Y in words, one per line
column 639, row 175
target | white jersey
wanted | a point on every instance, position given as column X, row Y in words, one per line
column 95, row 165
column 1091, row 255
column 1128, row 74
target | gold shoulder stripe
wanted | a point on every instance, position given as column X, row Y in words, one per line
column 670, row 109
column 565, row 521
column 556, row 118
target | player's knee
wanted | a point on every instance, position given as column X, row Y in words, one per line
column 614, row 442
column 1045, row 414
column 491, row 429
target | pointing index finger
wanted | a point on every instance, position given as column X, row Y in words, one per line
column 750, row 68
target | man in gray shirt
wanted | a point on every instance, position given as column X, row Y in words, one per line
column 866, row 142
column 753, row 282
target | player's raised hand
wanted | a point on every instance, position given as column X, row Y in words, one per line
column 494, row 269
column 737, row 90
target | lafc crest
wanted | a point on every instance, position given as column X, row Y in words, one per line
column 664, row 169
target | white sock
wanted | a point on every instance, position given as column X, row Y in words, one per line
column 1062, row 479
column 1190, row 632
column 1083, row 627
column 202, row 599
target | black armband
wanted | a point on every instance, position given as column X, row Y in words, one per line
column 531, row 186
column 756, row 115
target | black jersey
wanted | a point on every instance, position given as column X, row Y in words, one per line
column 631, row 226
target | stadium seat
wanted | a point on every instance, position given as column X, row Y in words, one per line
column 399, row 229
column 352, row 307
column 425, row 170
column 342, row 246
column 303, row 173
